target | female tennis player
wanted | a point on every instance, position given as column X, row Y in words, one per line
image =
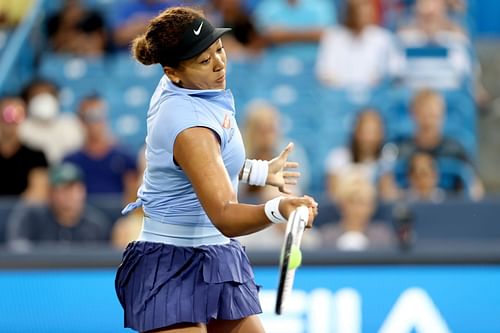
column 185, row 273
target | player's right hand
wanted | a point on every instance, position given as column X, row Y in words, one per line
column 288, row 204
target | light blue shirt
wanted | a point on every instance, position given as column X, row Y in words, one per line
column 166, row 193
column 303, row 15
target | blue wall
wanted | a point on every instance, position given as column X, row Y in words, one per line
column 460, row 298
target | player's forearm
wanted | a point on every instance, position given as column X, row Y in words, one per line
column 235, row 219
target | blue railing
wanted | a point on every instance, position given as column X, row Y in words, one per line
column 16, row 43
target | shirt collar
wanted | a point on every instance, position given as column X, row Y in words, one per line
column 171, row 88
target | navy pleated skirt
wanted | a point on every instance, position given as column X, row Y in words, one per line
column 159, row 285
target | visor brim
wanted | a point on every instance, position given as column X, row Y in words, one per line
column 204, row 43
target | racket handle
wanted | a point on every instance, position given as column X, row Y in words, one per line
column 302, row 214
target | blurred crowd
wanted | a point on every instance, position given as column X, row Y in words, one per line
column 62, row 166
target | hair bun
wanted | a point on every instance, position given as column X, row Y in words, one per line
column 142, row 52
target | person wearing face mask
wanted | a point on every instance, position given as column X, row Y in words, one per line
column 46, row 128
column 23, row 171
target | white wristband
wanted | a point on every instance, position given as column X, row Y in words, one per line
column 271, row 208
column 258, row 173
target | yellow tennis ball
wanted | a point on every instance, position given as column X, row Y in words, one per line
column 295, row 258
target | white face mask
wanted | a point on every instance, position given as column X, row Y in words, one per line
column 43, row 107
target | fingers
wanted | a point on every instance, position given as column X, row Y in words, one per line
column 291, row 165
column 313, row 212
column 290, row 174
column 286, row 151
column 313, row 209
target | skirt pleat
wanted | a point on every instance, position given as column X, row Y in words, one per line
column 160, row 285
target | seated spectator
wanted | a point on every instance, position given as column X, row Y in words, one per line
column 65, row 219
column 430, row 20
column 56, row 134
column 77, row 30
column 285, row 21
column 423, row 177
column 243, row 39
column 366, row 154
column 393, row 13
column 12, row 12
column 438, row 53
column 108, row 169
column 23, row 171
column 264, row 140
column 358, row 53
column 127, row 228
column 355, row 230
column 428, row 111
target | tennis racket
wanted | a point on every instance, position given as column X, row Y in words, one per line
column 290, row 255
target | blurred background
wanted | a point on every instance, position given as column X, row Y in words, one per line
column 394, row 109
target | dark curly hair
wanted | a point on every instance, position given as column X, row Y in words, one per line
column 163, row 32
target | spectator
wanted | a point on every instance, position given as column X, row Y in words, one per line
column 430, row 20
column 263, row 137
column 443, row 45
column 108, row 169
column 243, row 39
column 356, row 231
column 23, row 170
column 65, row 219
column 46, row 128
column 285, row 21
column 358, row 53
column 127, row 228
column 428, row 111
column 365, row 153
column 77, row 30
column 423, row 177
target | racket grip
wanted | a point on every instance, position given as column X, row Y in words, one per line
column 303, row 213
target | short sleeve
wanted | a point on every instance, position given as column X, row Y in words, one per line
column 178, row 115
column 38, row 160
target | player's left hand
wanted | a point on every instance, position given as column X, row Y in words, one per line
column 278, row 176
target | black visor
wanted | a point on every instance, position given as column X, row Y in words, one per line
column 196, row 39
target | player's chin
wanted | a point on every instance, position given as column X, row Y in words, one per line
column 221, row 86
column 220, row 82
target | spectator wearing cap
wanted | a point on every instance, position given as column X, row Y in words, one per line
column 64, row 219
column 108, row 168
column 23, row 171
